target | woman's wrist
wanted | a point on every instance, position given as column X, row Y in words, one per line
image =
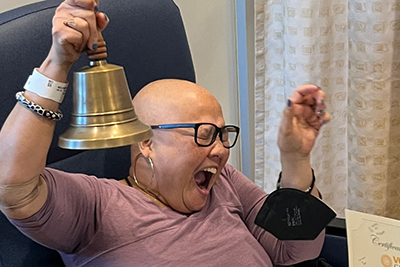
column 296, row 172
column 54, row 70
column 46, row 87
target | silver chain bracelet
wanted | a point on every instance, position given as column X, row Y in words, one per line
column 51, row 115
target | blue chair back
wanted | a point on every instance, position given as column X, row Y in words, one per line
column 147, row 38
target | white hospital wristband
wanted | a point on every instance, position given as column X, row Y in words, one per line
column 45, row 87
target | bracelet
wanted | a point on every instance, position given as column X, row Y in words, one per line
column 278, row 184
column 45, row 87
column 51, row 115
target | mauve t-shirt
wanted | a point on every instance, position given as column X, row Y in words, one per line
column 101, row 222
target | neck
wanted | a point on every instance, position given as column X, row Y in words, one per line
column 145, row 191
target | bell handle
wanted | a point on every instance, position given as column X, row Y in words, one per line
column 101, row 52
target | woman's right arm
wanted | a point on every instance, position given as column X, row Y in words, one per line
column 25, row 137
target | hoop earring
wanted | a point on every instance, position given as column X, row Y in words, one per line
column 150, row 161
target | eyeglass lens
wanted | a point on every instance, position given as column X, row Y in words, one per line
column 206, row 135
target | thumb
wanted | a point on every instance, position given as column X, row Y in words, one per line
column 287, row 119
column 102, row 20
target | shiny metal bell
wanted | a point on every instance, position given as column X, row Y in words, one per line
column 103, row 115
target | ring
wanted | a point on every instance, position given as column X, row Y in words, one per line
column 70, row 23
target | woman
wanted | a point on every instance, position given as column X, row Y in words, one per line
column 187, row 206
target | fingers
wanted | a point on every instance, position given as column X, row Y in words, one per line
column 78, row 33
column 102, row 20
column 303, row 93
column 309, row 95
column 287, row 119
column 325, row 118
column 314, row 120
column 65, row 36
column 319, row 108
column 91, row 26
column 307, row 104
column 85, row 4
column 83, row 17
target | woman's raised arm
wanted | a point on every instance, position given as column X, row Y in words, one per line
column 26, row 136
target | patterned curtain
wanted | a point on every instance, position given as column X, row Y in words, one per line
column 351, row 49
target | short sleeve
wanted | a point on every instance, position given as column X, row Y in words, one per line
column 70, row 216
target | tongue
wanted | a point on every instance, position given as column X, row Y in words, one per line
column 200, row 177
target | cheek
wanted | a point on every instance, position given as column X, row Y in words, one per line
column 176, row 170
column 226, row 154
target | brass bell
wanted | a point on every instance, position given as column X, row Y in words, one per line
column 103, row 115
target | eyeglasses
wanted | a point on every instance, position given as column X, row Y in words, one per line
column 206, row 133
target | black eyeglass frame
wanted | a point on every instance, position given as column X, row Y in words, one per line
column 196, row 126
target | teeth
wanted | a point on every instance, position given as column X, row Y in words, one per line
column 212, row 170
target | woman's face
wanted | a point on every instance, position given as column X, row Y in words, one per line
column 184, row 172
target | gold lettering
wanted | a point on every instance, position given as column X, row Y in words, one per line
column 396, row 259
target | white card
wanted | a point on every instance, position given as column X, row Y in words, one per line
column 373, row 241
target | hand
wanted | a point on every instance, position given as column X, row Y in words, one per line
column 75, row 28
column 301, row 121
column 300, row 124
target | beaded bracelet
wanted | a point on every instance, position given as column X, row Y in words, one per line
column 51, row 115
column 278, row 184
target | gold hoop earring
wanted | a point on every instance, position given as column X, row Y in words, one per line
column 150, row 161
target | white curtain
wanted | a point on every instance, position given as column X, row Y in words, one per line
column 351, row 49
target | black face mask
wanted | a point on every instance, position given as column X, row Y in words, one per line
column 291, row 214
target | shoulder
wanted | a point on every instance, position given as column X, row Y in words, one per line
column 229, row 183
column 241, row 185
column 50, row 173
column 234, row 176
column 230, row 172
column 78, row 182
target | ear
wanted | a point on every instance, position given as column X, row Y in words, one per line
column 145, row 147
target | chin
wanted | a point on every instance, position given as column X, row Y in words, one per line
column 193, row 207
column 198, row 206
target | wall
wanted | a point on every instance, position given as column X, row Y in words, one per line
column 250, row 76
column 210, row 27
column 211, row 30
column 10, row 4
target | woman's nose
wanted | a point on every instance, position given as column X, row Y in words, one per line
column 218, row 147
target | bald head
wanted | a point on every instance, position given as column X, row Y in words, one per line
column 171, row 101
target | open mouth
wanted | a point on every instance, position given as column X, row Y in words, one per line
column 203, row 177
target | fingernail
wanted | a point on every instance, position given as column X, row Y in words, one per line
column 96, row 8
column 323, row 121
column 320, row 112
column 106, row 17
column 319, row 87
column 94, row 46
column 289, row 103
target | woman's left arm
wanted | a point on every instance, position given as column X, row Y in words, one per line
column 301, row 121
